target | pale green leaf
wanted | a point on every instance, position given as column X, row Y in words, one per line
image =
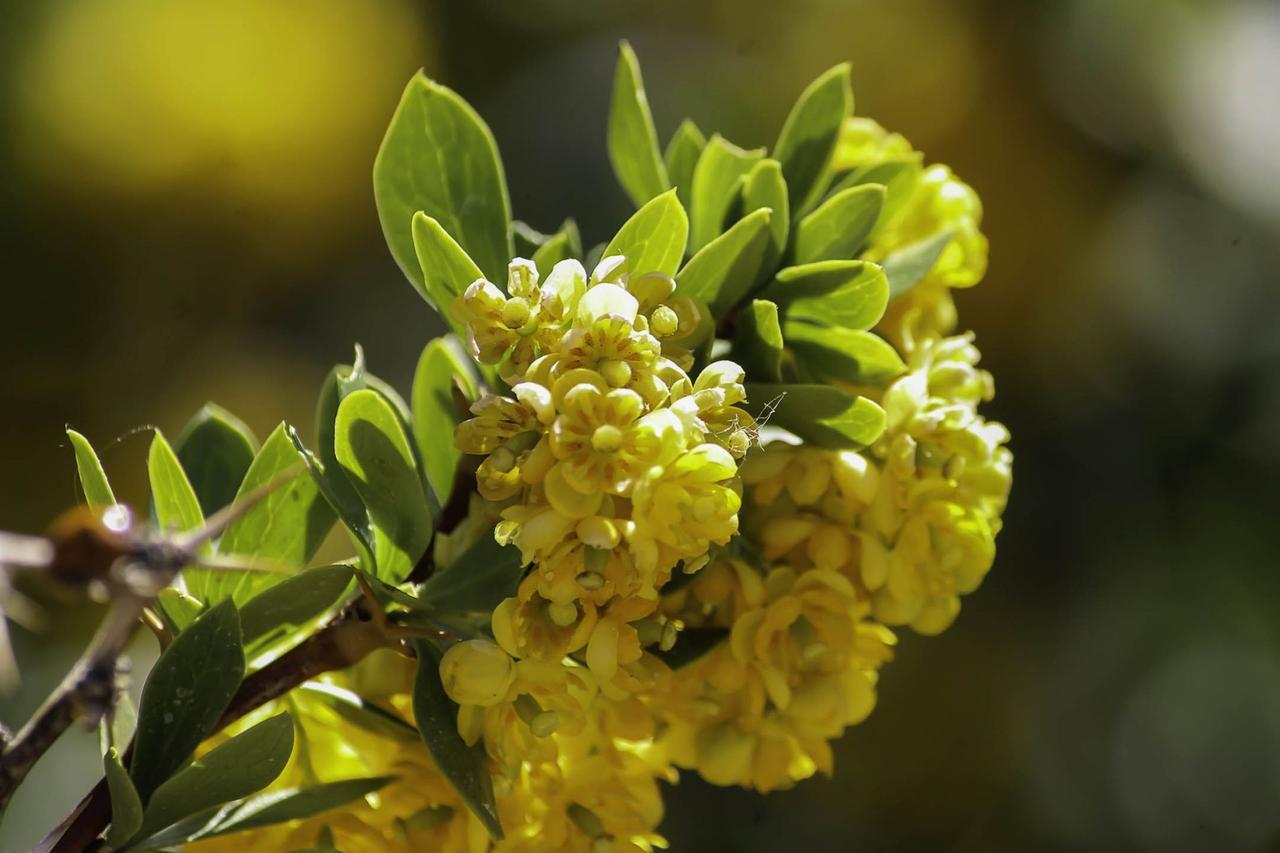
column 821, row 414
column 215, row 449
column 374, row 452
column 93, row 480
column 907, row 266
column 466, row 767
column 765, row 187
column 826, row 354
column 126, row 805
column 654, row 238
column 178, row 609
column 717, row 179
column 176, row 505
column 439, row 157
column 682, row 156
column 900, row 176
column 757, row 343
column 447, row 270
column 436, row 413
column 185, row 694
column 839, row 227
column 632, row 138
column 852, row 294
column 243, row 765
column 808, row 137
column 725, row 270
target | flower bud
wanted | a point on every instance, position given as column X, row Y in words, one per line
column 476, row 672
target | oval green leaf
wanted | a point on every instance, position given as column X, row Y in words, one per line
column 681, row 157
column 726, row 269
column 765, row 187
column 632, row 138
column 822, row 415
column 126, row 806
column 215, row 449
column 295, row 804
column 840, row 226
column 717, row 179
column 441, row 367
column 447, row 270
column 757, row 343
column 288, row 606
column 93, row 480
column 906, row 267
column 808, row 137
column 833, row 354
column 851, row 294
column 176, row 505
column 654, row 238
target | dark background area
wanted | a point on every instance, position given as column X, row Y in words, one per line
column 186, row 215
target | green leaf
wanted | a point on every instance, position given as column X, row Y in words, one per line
column 906, row 267
column 560, row 246
column 126, row 806
column 717, row 178
column 295, row 803
column 359, row 711
column 373, row 450
column 758, row 341
column 899, row 175
column 288, row 526
column 177, row 507
column 435, row 411
column 93, row 480
column 178, row 609
column 447, row 270
column 691, row 644
column 852, row 294
column 478, row 580
column 822, row 415
column 831, row 354
column 333, row 484
column 439, row 157
column 243, row 765
column 466, row 767
column 654, row 238
column 808, row 137
column 215, row 449
column 632, row 138
column 840, row 226
column 186, row 692
column 765, row 187
column 681, row 157
column 289, row 605
column 724, row 271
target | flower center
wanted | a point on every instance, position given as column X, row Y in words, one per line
column 663, row 321
column 515, row 313
column 606, row 439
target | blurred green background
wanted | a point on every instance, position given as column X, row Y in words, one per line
column 186, row 215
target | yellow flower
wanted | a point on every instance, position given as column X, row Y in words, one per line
column 476, row 672
column 682, row 509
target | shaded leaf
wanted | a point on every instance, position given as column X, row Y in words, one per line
column 439, row 157
column 292, row 603
column 840, row 226
column 481, row 577
column 126, row 806
column 822, row 415
column 632, row 138
column 374, row 452
column 333, row 484
column 717, row 179
column 758, row 341
column 724, row 271
column 654, row 238
column 243, row 765
column 93, row 480
column 899, row 176
column 681, row 157
column 466, row 767
column 832, row 354
column 296, row 803
column 215, row 449
column 852, row 294
column 186, row 692
column 906, row 267
column 560, row 246
column 359, row 711
column 808, row 137
column 436, row 414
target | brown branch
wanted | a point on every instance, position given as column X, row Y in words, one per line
column 341, row 644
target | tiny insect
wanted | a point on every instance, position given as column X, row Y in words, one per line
column 741, row 437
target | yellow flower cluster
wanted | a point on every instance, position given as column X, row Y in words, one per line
column 611, row 464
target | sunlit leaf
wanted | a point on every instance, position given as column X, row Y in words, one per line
column 447, row 270
column 93, row 480
column 681, row 157
column 374, row 452
column 852, row 294
column 176, row 505
column 632, row 139
column 900, row 176
column 215, row 449
column 186, row 692
column 840, row 226
column 466, row 767
column 439, row 157
column 717, row 179
column 725, row 270
column 765, row 187
column 292, row 603
column 822, row 415
column 808, row 137
column 654, row 238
